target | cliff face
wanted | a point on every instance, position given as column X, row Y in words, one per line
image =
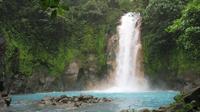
column 75, row 77
column 112, row 48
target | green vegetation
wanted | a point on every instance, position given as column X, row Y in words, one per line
column 49, row 34
column 171, row 38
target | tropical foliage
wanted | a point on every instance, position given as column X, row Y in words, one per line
column 49, row 34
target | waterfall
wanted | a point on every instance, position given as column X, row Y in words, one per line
column 129, row 71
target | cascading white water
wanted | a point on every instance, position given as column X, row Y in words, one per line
column 129, row 73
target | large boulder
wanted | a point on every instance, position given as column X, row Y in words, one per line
column 70, row 76
column 188, row 102
column 194, row 95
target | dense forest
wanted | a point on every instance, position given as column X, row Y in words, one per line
column 43, row 37
column 171, row 39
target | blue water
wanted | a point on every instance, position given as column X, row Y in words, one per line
column 137, row 100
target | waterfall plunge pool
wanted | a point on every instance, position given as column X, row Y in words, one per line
column 136, row 100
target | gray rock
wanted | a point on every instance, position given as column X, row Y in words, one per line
column 64, row 100
column 194, row 95
column 3, row 105
column 144, row 110
column 124, row 111
column 47, row 98
column 77, row 104
column 75, row 101
column 2, row 102
column 158, row 110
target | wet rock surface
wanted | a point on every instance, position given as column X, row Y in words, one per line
column 5, row 99
column 75, row 77
column 75, row 101
column 194, row 95
column 188, row 102
column 132, row 110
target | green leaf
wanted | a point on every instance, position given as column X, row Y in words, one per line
column 54, row 3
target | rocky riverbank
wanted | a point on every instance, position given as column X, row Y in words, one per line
column 72, row 102
column 187, row 101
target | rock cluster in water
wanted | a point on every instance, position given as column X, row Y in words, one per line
column 75, row 101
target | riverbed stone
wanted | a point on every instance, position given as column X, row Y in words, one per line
column 75, row 101
column 2, row 102
column 144, row 110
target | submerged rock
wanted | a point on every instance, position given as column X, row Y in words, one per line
column 124, row 111
column 133, row 110
column 144, row 110
column 75, row 101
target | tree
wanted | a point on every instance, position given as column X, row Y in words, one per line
column 187, row 28
column 159, row 44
